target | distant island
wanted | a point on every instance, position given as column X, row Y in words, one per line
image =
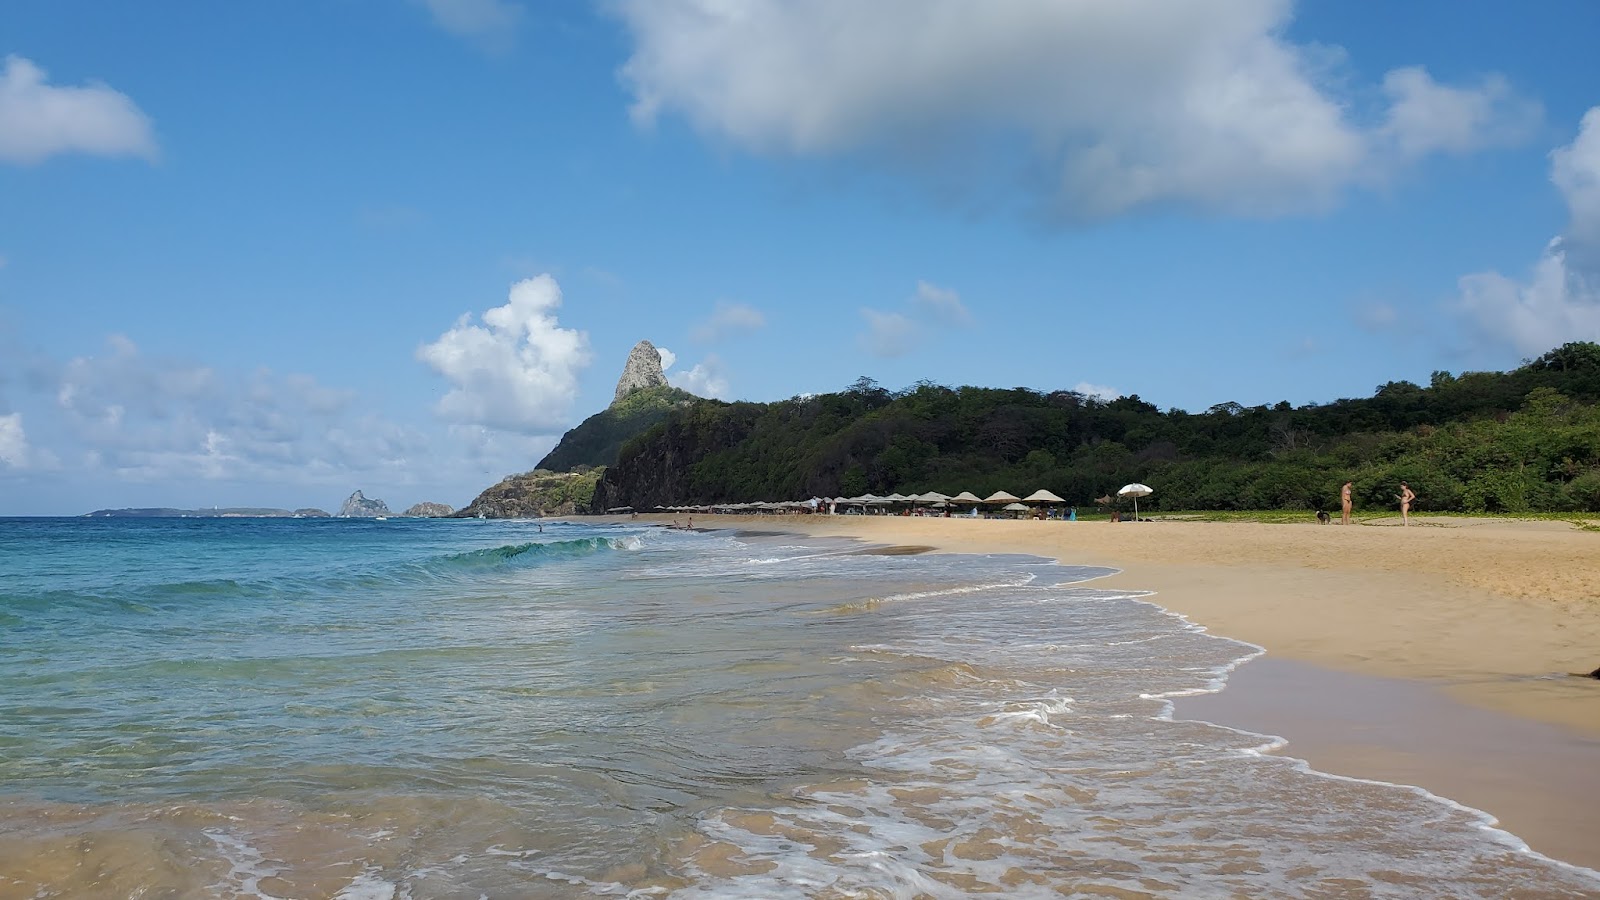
column 215, row 512
column 356, row 507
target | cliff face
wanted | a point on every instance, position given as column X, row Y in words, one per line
column 426, row 510
column 359, row 507
column 643, row 370
column 662, row 469
column 534, row 494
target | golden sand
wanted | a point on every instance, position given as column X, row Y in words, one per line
column 1496, row 611
column 1496, row 614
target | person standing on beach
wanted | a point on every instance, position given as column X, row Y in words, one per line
column 1344, row 502
column 1406, row 496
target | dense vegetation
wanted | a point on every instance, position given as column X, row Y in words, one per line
column 1525, row 440
column 597, row 440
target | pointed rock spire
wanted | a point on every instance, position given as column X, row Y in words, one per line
column 642, row 371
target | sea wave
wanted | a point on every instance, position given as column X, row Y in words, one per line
column 531, row 553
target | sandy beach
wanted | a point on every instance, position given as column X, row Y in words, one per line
column 1438, row 655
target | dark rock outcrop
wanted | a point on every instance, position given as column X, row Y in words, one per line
column 643, row 370
column 311, row 512
column 427, row 510
column 359, row 507
column 534, row 494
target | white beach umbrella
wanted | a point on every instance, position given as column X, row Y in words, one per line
column 1135, row 490
column 1042, row 496
column 932, row 497
column 1015, row 507
column 966, row 497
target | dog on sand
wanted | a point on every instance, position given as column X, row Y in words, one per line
column 1323, row 518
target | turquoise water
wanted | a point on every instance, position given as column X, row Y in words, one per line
column 417, row 708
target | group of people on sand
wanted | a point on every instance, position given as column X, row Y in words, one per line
column 1406, row 497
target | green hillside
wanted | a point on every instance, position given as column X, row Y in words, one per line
column 597, row 440
column 1524, row 440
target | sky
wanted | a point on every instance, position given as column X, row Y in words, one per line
column 267, row 254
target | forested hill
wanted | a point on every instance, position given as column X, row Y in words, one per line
column 597, row 440
column 1528, row 439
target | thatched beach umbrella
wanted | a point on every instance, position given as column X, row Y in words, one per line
column 966, row 498
column 1002, row 497
column 1042, row 496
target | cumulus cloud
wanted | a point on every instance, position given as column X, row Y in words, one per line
column 39, row 120
column 492, row 23
column 729, row 320
column 667, row 358
column 1560, row 300
column 892, row 333
column 1098, row 108
column 14, row 450
column 706, row 379
column 1427, row 117
column 144, row 418
column 518, row 371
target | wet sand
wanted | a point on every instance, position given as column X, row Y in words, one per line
column 1437, row 655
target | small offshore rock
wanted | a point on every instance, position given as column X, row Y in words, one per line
column 428, row 510
column 359, row 507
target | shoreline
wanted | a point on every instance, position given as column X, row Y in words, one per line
column 1458, row 640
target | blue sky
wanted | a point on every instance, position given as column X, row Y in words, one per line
column 247, row 251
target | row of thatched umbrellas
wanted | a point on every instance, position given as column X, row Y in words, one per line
column 933, row 499
column 937, row 500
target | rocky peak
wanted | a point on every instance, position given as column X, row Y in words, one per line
column 643, row 370
column 358, row 506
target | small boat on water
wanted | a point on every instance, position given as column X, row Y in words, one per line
column 383, row 518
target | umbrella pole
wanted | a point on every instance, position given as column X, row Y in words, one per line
column 1136, row 507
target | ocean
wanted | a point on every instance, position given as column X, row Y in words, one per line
column 480, row 709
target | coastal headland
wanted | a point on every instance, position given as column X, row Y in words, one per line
column 1444, row 655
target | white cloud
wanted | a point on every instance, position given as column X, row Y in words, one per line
column 518, row 374
column 148, row 419
column 1428, row 117
column 1560, row 301
column 1099, row 107
column 39, row 120
column 891, row 333
column 706, row 379
column 14, row 450
column 941, row 304
column 729, row 320
column 1096, row 390
column 492, row 23
column 1556, row 305
column 1575, row 170
column 667, row 358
